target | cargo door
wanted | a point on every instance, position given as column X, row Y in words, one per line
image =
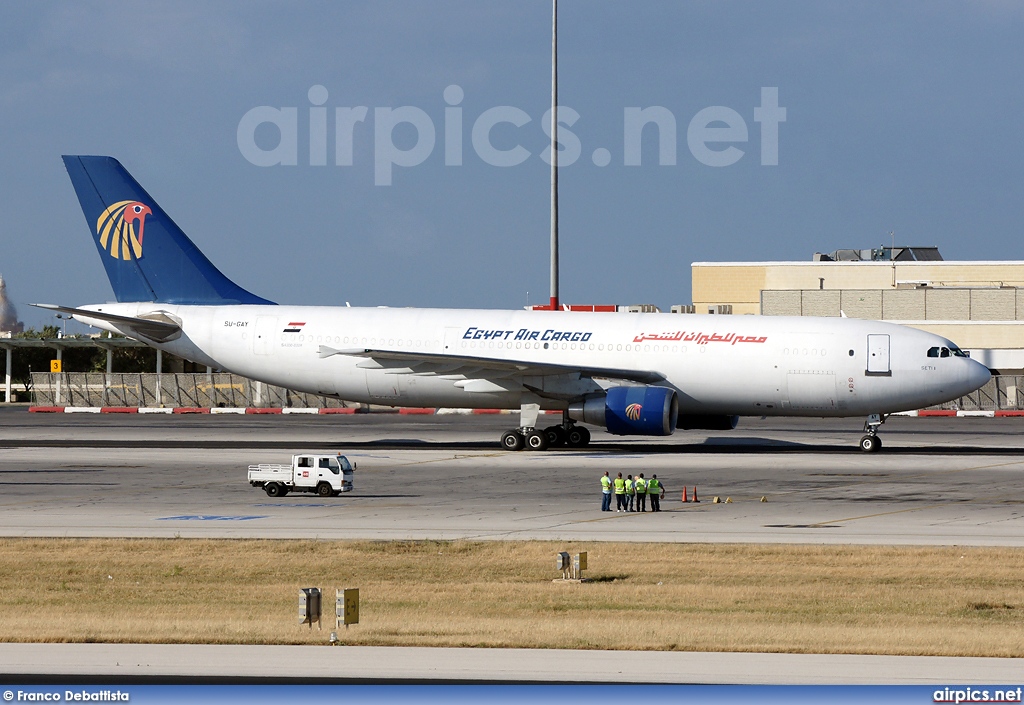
column 878, row 356
column 810, row 381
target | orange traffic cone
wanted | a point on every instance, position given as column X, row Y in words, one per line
column 695, row 494
column 685, row 500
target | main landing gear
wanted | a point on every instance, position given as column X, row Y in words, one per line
column 532, row 438
column 871, row 443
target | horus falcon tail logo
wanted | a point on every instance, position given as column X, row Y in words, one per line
column 116, row 229
column 633, row 412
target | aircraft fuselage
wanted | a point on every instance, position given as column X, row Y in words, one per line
column 733, row 365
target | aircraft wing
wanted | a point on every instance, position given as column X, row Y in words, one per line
column 478, row 367
column 160, row 328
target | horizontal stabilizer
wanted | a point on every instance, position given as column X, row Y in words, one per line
column 160, row 330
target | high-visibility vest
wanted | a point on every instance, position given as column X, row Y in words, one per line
column 620, row 486
column 641, row 485
column 653, row 486
column 629, row 487
column 606, row 483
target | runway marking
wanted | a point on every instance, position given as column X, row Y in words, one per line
column 993, row 465
column 890, row 477
column 627, row 514
column 446, row 458
column 211, row 517
column 823, row 524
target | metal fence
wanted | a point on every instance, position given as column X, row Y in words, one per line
column 200, row 390
column 1002, row 393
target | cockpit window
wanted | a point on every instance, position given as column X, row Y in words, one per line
column 946, row 352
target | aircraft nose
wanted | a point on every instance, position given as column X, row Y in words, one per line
column 977, row 375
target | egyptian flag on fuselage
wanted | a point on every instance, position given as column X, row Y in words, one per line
column 294, row 327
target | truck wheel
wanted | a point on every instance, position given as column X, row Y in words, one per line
column 324, row 490
column 273, row 489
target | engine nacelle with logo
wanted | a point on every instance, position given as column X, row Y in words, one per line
column 631, row 411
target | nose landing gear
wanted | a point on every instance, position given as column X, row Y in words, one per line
column 871, row 443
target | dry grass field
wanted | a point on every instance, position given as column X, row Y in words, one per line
column 807, row 599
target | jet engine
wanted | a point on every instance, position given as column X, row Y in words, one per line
column 630, row 411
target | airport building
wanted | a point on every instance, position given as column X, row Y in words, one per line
column 977, row 305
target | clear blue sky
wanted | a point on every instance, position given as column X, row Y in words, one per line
column 902, row 116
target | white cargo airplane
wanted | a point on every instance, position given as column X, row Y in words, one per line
column 632, row 374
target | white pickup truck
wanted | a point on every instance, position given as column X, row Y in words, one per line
column 326, row 475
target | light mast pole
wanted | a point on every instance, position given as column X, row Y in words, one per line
column 554, row 155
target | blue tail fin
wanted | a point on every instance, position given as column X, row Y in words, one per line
column 147, row 256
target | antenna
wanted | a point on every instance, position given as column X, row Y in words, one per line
column 554, row 155
column 892, row 256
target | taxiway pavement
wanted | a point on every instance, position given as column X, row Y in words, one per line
column 936, row 482
column 167, row 663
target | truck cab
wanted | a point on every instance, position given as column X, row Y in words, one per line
column 322, row 474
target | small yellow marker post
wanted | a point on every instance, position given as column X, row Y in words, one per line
column 56, row 366
column 346, row 607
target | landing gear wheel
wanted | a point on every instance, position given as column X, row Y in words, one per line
column 324, row 490
column 870, row 444
column 273, row 490
column 577, row 437
column 537, row 440
column 513, row 440
column 556, row 436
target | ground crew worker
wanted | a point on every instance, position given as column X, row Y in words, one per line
column 656, row 491
column 640, row 485
column 606, row 493
column 620, row 494
column 630, row 493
